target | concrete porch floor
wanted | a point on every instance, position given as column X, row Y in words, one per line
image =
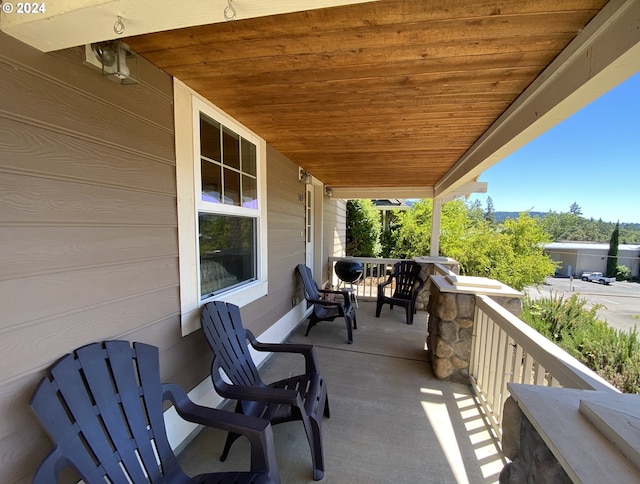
column 391, row 420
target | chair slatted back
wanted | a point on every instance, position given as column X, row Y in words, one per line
column 222, row 326
column 310, row 286
column 102, row 405
column 406, row 273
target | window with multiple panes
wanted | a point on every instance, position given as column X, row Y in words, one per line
column 220, row 172
column 227, row 240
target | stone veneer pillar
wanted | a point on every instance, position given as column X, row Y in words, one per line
column 532, row 461
column 429, row 269
column 451, row 309
column 563, row 435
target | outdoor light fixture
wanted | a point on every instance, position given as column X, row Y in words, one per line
column 328, row 191
column 117, row 61
column 304, row 175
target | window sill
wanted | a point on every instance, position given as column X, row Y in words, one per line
column 190, row 319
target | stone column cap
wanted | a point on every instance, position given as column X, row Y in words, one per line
column 583, row 450
column 474, row 285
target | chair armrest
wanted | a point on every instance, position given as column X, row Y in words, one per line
column 387, row 282
column 420, row 285
column 306, row 350
column 332, row 304
column 252, row 393
column 320, row 301
column 332, row 291
column 48, row 470
column 257, row 430
column 384, row 284
column 344, row 294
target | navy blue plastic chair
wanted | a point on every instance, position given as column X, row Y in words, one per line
column 300, row 397
column 408, row 286
column 323, row 308
column 102, row 406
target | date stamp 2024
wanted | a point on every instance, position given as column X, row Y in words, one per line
column 24, row 8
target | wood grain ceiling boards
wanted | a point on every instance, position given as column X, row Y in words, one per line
column 389, row 93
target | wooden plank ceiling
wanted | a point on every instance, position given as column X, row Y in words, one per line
column 384, row 94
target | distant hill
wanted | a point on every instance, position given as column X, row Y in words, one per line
column 502, row 216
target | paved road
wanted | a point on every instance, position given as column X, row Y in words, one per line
column 621, row 300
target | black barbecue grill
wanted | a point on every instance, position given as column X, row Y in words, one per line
column 349, row 271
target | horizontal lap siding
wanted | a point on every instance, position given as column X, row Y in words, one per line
column 285, row 223
column 334, row 232
column 88, row 229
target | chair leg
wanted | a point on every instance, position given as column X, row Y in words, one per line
column 309, row 326
column 347, row 321
column 231, row 438
column 409, row 314
column 313, row 429
column 378, row 308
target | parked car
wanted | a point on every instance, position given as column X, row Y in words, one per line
column 597, row 277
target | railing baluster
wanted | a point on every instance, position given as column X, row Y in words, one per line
column 539, row 375
column 504, row 361
column 493, row 358
column 475, row 341
column 483, row 363
column 516, row 369
column 526, row 369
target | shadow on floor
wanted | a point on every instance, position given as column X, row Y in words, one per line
column 391, row 420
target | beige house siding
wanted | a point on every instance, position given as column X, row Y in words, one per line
column 334, row 232
column 88, row 230
column 285, row 220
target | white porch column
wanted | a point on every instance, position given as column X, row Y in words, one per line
column 435, row 227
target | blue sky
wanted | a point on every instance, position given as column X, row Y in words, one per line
column 591, row 158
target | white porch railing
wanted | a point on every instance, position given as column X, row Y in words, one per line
column 374, row 272
column 507, row 350
column 504, row 349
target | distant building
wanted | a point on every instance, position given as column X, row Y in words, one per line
column 578, row 257
column 390, row 205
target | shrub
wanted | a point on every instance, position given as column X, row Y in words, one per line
column 363, row 229
column 613, row 354
column 556, row 317
column 622, row 273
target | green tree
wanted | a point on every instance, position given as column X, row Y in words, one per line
column 363, row 229
column 575, row 209
column 564, row 226
column 526, row 263
column 490, row 212
column 612, row 256
column 413, row 235
column 511, row 252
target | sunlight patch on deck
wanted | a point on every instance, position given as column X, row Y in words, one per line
column 485, row 446
column 438, row 416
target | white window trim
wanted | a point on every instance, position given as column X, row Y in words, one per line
column 187, row 106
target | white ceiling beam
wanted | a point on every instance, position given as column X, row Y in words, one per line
column 373, row 193
column 69, row 23
column 347, row 193
column 604, row 54
column 464, row 191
